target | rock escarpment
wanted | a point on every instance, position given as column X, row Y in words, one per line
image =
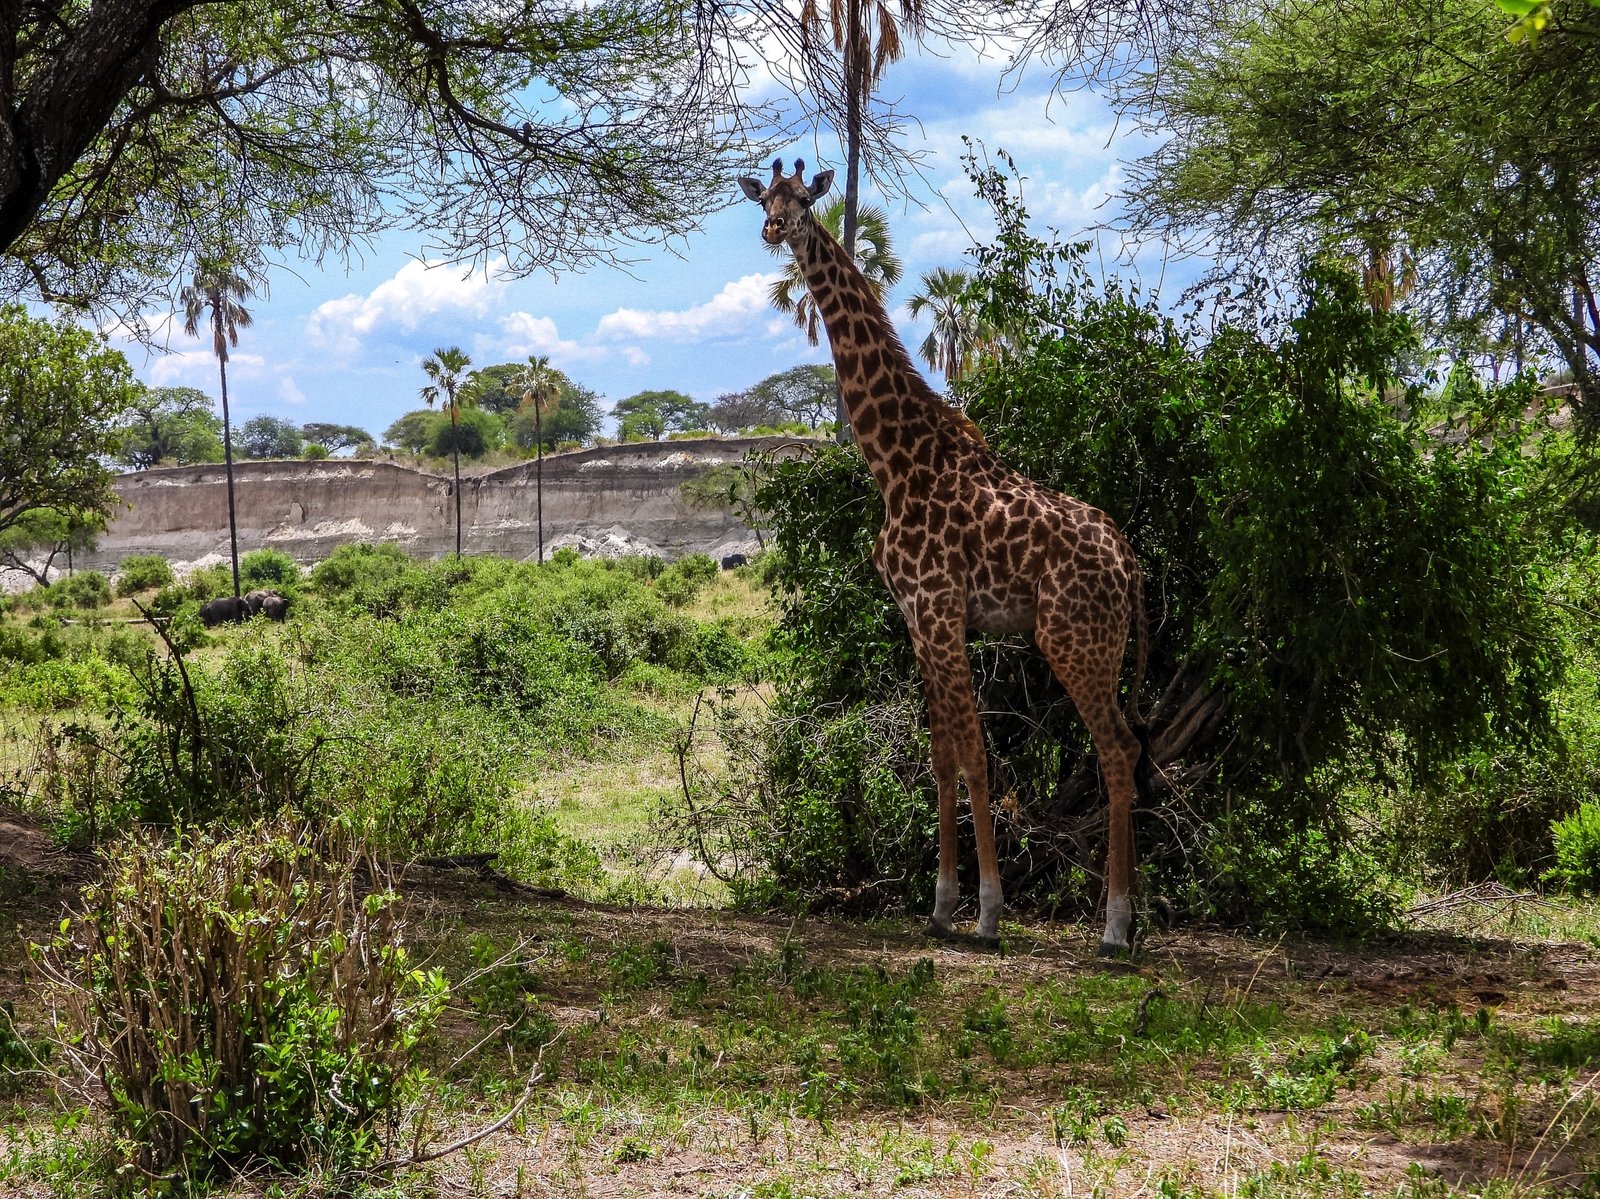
column 628, row 494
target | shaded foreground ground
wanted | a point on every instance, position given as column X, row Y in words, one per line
column 708, row 1053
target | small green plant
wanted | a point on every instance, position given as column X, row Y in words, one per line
column 243, row 1001
column 1577, row 847
column 142, row 572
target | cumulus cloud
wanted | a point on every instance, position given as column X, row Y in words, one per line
column 417, row 291
column 289, row 391
column 198, row 368
column 524, row 334
column 732, row 310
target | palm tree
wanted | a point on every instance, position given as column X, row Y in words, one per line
column 874, row 255
column 867, row 34
column 541, row 388
column 445, row 370
column 958, row 334
column 222, row 290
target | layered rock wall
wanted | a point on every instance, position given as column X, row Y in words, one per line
column 308, row 508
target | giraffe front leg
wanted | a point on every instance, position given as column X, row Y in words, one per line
column 947, row 889
column 957, row 750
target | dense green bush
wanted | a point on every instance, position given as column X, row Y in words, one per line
column 244, row 1002
column 1577, row 850
column 1327, row 589
column 210, row 582
column 358, row 564
column 475, row 434
column 142, row 572
column 85, row 589
column 20, row 647
column 268, row 568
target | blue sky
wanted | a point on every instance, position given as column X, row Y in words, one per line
column 345, row 346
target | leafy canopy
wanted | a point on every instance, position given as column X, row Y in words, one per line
column 62, row 391
column 535, row 132
column 1458, row 171
column 169, row 424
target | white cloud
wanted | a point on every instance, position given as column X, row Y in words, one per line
column 199, row 367
column 732, row 310
column 417, row 291
column 524, row 334
column 289, row 392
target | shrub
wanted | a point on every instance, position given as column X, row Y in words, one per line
column 166, row 600
column 18, row 647
column 237, row 742
column 356, row 565
column 210, row 582
column 675, row 588
column 315, row 452
column 141, row 572
column 86, row 589
column 244, row 1001
column 698, row 568
column 268, row 568
column 1577, row 849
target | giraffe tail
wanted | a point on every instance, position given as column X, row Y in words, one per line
column 1144, row 771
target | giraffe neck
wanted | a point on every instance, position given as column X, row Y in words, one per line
column 890, row 404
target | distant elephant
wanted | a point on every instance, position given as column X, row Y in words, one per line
column 733, row 560
column 256, row 598
column 275, row 606
column 221, row 611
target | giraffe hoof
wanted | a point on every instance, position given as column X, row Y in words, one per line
column 986, row 941
column 1118, row 952
column 941, row 932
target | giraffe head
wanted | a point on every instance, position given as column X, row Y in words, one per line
column 786, row 200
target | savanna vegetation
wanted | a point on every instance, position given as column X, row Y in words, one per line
column 491, row 878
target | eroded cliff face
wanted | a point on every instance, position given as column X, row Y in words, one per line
column 307, row 509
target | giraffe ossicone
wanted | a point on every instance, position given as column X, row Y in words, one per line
column 969, row 543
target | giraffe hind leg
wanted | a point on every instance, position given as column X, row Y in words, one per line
column 1088, row 670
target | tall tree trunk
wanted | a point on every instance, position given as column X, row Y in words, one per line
column 538, row 475
column 227, row 457
column 455, row 454
column 854, row 81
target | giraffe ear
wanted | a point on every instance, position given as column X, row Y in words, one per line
column 820, row 183
column 753, row 189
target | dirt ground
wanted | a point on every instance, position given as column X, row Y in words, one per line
column 664, row 1085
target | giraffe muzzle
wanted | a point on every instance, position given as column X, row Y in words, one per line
column 772, row 233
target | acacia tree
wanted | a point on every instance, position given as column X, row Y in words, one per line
column 62, row 392
column 1415, row 141
column 446, row 370
column 172, row 424
column 135, row 129
column 218, row 289
column 267, row 436
column 335, row 437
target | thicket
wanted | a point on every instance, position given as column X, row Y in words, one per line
column 1361, row 674
column 407, row 703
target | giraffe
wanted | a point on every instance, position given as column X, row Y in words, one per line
column 969, row 543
